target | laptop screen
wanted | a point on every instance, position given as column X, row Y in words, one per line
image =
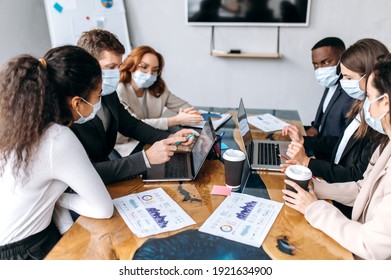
column 202, row 146
column 244, row 128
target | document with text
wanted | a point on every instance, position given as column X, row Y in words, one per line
column 267, row 122
column 243, row 218
column 151, row 212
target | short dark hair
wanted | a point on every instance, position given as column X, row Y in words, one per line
column 96, row 41
column 334, row 42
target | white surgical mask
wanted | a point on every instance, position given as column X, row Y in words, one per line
column 143, row 80
column 375, row 123
column 110, row 81
column 96, row 107
column 352, row 88
column 326, row 76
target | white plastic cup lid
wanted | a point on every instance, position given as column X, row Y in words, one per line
column 234, row 155
column 298, row 172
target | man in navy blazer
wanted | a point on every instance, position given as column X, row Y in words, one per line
column 99, row 135
column 330, row 119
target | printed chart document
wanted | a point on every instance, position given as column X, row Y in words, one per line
column 267, row 122
column 218, row 119
column 151, row 212
column 243, row 218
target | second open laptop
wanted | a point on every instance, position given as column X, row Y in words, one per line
column 184, row 166
column 262, row 154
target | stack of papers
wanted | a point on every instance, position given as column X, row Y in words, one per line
column 218, row 119
column 243, row 218
column 267, row 122
column 151, row 212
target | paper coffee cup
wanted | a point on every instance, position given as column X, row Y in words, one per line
column 298, row 174
column 233, row 167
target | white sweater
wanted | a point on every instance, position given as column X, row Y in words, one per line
column 27, row 206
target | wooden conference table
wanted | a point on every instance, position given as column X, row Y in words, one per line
column 111, row 239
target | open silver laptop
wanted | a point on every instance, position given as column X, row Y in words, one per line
column 262, row 154
column 184, row 166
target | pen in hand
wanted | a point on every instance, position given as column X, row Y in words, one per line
column 284, row 158
column 187, row 138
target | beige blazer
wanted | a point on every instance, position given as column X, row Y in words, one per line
column 155, row 106
column 368, row 234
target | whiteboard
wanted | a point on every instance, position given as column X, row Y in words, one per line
column 67, row 19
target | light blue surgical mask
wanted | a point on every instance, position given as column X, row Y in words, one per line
column 352, row 88
column 327, row 76
column 110, row 81
column 143, row 80
column 375, row 123
column 96, row 107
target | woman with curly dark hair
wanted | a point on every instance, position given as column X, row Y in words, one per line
column 40, row 157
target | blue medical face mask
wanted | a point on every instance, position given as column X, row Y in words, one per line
column 143, row 80
column 110, row 81
column 96, row 107
column 352, row 88
column 375, row 123
column 327, row 76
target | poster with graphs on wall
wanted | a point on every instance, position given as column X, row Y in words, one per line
column 67, row 19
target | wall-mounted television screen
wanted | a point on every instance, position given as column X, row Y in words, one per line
column 248, row 12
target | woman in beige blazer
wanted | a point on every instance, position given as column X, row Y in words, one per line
column 145, row 96
column 368, row 234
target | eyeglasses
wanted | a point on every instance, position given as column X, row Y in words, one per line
column 145, row 68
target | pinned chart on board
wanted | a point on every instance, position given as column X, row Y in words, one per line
column 68, row 19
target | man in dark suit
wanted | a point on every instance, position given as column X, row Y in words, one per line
column 330, row 119
column 98, row 135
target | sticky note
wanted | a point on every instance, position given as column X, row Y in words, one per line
column 224, row 146
column 58, row 7
column 221, row 190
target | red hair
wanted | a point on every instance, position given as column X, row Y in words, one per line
column 131, row 63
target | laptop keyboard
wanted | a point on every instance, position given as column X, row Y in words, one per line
column 268, row 154
column 176, row 167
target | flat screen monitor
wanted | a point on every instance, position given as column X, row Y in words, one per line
column 248, row 12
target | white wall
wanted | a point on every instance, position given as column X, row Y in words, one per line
column 193, row 74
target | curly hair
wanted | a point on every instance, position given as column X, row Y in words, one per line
column 131, row 63
column 34, row 94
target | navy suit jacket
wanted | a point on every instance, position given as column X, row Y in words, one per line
column 99, row 143
column 332, row 123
